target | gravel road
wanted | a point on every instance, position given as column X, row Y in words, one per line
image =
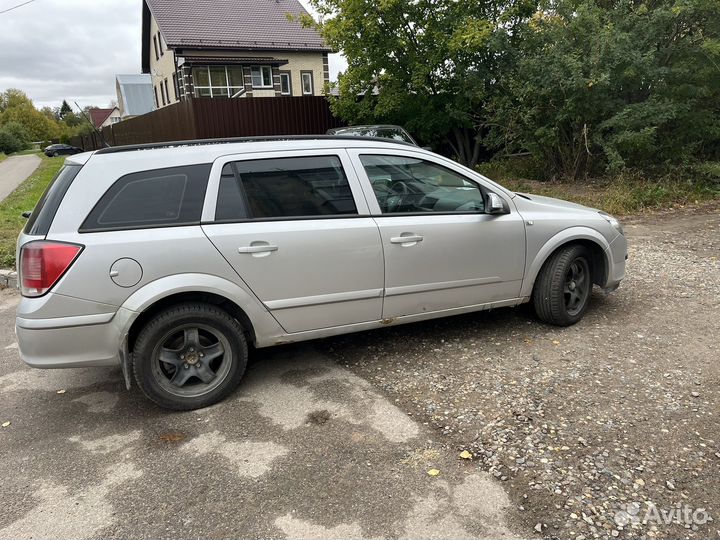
column 605, row 429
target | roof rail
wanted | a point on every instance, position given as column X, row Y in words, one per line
column 202, row 142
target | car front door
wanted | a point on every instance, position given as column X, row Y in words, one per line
column 442, row 250
column 296, row 228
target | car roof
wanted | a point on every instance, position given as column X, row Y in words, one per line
column 204, row 151
column 127, row 159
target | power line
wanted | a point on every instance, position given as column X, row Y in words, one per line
column 15, row 7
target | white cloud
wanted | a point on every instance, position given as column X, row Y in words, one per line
column 72, row 49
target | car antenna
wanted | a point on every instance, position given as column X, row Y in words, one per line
column 93, row 125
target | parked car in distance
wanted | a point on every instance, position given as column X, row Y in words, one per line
column 395, row 133
column 55, row 150
column 172, row 260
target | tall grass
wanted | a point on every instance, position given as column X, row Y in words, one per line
column 628, row 193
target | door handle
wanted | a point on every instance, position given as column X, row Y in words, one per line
column 257, row 249
column 409, row 239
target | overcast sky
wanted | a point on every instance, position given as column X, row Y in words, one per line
column 72, row 49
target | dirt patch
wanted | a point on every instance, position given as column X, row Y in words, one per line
column 607, row 428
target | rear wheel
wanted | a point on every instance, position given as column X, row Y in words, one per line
column 562, row 290
column 190, row 356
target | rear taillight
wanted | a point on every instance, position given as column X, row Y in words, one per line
column 43, row 263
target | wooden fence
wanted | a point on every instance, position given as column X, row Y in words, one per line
column 211, row 118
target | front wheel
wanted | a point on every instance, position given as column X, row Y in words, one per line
column 562, row 290
column 190, row 356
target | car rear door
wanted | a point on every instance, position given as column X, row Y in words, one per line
column 442, row 251
column 296, row 228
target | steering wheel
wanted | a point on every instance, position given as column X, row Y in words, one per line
column 401, row 190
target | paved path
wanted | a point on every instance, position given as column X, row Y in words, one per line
column 304, row 449
column 14, row 170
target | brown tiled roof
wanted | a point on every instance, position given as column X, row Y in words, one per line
column 234, row 24
column 234, row 60
column 98, row 116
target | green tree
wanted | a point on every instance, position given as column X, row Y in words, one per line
column 16, row 107
column 429, row 64
column 13, row 138
column 65, row 109
column 605, row 85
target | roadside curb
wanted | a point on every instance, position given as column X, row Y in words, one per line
column 8, row 278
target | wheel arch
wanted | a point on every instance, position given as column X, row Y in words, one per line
column 173, row 290
column 191, row 296
column 593, row 240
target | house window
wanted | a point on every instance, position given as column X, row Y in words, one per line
column 160, row 45
column 155, row 44
column 218, row 81
column 167, row 92
column 285, row 84
column 261, row 76
column 175, row 86
column 114, row 119
column 307, row 83
column 157, row 103
column 162, row 93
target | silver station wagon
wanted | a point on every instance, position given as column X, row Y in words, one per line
column 172, row 260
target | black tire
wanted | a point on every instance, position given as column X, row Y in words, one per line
column 558, row 297
column 190, row 356
column 55, row 154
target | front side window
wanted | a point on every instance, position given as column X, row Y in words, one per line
column 412, row 185
column 307, row 83
column 261, row 76
column 294, row 187
column 159, row 198
column 218, row 81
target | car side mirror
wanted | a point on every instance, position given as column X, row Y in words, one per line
column 495, row 204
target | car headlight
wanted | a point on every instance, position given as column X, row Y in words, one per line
column 612, row 221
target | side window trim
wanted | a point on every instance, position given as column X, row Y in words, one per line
column 210, row 206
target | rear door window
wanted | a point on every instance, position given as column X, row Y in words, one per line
column 158, row 198
column 45, row 210
column 284, row 188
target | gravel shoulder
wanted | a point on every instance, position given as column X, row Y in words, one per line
column 591, row 427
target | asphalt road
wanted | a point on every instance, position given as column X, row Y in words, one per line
column 14, row 170
column 304, row 449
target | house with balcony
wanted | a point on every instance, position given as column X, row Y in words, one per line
column 230, row 49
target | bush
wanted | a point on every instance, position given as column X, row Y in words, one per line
column 13, row 138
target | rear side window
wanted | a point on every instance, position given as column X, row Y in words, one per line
column 294, row 187
column 45, row 210
column 159, row 198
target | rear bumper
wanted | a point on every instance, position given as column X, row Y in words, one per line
column 71, row 342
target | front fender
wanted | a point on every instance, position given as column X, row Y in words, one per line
column 535, row 264
column 265, row 326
